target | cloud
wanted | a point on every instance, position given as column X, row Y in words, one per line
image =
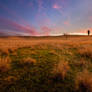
column 67, row 23
column 2, row 33
column 46, row 30
column 56, row 6
column 14, row 14
column 6, row 24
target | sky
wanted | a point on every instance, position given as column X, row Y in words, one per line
column 44, row 17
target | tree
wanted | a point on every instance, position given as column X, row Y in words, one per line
column 88, row 32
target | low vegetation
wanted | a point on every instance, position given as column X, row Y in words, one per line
column 46, row 65
column 83, row 81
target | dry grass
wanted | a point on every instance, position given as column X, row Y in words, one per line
column 86, row 52
column 10, row 79
column 63, row 74
column 4, row 51
column 83, row 81
column 28, row 60
column 61, row 69
column 5, row 64
column 81, row 63
column 16, row 42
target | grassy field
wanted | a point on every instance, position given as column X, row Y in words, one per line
column 46, row 64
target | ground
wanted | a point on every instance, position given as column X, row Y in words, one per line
column 46, row 64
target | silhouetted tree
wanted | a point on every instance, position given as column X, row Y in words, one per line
column 88, row 32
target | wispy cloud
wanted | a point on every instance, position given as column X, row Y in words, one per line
column 46, row 30
column 67, row 23
column 15, row 27
column 56, row 6
column 14, row 14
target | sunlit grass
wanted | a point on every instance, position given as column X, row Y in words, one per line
column 46, row 65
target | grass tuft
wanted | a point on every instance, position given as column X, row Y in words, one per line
column 83, row 81
column 5, row 64
column 86, row 52
column 61, row 70
column 29, row 60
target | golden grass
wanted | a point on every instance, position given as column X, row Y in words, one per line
column 86, row 51
column 5, row 64
column 54, row 41
column 83, row 81
column 61, row 69
column 29, row 60
column 4, row 51
column 81, row 63
column 83, row 45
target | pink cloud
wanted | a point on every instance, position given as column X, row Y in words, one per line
column 2, row 33
column 56, row 6
column 10, row 25
column 59, row 5
column 67, row 23
column 46, row 30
